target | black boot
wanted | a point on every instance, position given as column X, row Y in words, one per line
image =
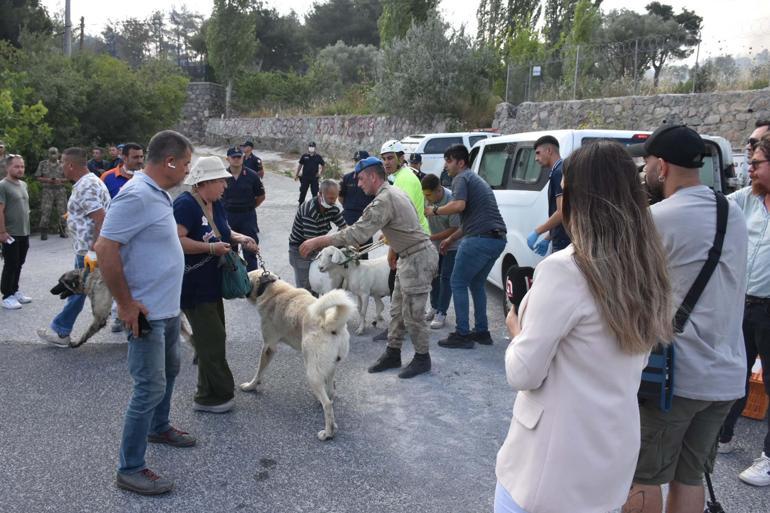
column 390, row 359
column 420, row 364
column 43, row 235
column 457, row 341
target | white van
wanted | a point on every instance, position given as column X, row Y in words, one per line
column 432, row 147
column 507, row 163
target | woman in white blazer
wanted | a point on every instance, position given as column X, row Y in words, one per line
column 593, row 313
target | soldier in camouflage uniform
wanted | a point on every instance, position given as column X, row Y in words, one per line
column 53, row 193
column 392, row 211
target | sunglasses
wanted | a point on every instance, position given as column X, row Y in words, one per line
column 755, row 163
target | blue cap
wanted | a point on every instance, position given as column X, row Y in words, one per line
column 247, row 143
column 360, row 155
column 367, row 162
column 234, row 152
column 415, row 158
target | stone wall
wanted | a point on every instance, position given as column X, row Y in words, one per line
column 204, row 100
column 339, row 136
column 730, row 114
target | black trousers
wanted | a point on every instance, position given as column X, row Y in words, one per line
column 303, row 185
column 756, row 336
column 15, row 255
column 245, row 223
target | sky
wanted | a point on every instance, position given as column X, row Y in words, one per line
column 738, row 27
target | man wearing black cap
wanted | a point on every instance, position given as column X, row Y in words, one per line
column 311, row 166
column 709, row 356
column 244, row 193
column 250, row 160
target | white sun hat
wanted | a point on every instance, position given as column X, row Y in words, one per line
column 207, row 168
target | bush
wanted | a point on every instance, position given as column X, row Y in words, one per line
column 271, row 90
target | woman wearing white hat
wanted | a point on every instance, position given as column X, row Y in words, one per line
column 205, row 236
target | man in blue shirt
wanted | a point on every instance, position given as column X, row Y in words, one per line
column 244, row 193
column 142, row 263
column 547, row 155
column 353, row 199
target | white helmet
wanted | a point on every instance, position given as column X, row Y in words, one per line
column 392, row 146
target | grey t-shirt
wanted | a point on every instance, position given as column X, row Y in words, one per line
column 710, row 358
column 141, row 219
column 15, row 200
column 440, row 223
column 481, row 214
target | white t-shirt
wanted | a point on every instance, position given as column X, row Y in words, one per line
column 709, row 355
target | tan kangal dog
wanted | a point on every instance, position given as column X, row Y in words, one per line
column 316, row 327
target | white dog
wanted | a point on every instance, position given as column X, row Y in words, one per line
column 363, row 278
column 316, row 327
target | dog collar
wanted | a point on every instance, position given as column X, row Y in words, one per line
column 265, row 280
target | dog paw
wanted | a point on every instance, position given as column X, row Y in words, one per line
column 323, row 436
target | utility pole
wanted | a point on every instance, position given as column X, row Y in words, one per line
column 67, row 30
column 82, row 32
column 697, row 55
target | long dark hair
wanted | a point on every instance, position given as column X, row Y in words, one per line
column 617, row 247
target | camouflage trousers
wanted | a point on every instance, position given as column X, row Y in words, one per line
column 51, row 197
column 414, row 275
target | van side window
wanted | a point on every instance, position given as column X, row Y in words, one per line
column 440, row 144
column 494, row 165
column 475, row 138
column 527, row 170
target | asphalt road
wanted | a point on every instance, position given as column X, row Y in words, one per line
column 422, row 445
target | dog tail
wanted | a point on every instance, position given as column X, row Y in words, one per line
column 332, row 309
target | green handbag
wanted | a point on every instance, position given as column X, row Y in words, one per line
column 235, row 278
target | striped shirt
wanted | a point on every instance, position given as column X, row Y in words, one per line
column 311, row 222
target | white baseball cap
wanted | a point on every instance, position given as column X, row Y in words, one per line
column 207, row 168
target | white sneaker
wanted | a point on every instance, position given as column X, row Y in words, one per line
column 11, row 303
column 53, row 338
column 726, row 447
column 757, row 474
column 21, row 298
column 430, row 314
column 438, row 321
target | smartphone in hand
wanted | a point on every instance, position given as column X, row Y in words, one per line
column 144, row 326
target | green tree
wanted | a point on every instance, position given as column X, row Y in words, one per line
column 678, row 35
column 281, row 40
column 339, row 67
column 354, row 22
column 399, row 15
column 499, row 20
column 22, row 125
column 16, row 16
column 231, row 41
column 587, row 22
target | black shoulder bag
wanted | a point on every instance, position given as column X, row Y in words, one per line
column 658, row 377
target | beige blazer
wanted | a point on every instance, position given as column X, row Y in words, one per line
column 574, row 437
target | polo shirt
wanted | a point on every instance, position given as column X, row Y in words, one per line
column 406, row 180
column 252, row 162
column 141, row 219
column 310, row 164
column 310, row 222
column 241, row 193
column 114, row 181
column 481, row 214
column 96, row 166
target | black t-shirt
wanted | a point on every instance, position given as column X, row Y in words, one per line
column 240, row 195
column 559, row 234
column 310, row 165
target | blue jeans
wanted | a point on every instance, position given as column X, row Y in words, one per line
column 474, row 260
column 153, row 362
column 441, row 288
column 504, row 503
column 63, row 323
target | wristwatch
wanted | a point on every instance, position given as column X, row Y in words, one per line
column 435, row 210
